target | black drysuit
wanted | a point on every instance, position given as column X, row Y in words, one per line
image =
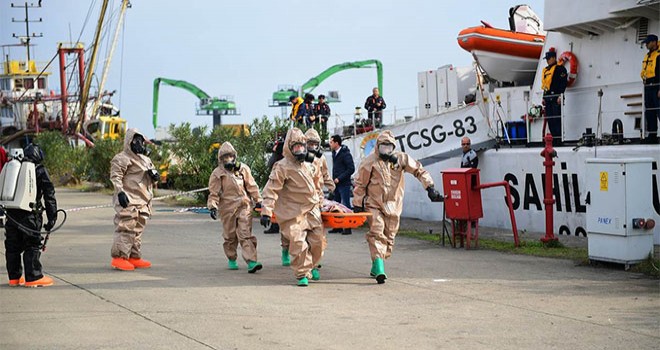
column 19, row 241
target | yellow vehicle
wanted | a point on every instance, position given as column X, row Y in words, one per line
column 105, row 127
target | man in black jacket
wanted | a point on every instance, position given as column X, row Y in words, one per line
column 28, row 243
column 375, row 105
column 554, row 82
column 342, row 170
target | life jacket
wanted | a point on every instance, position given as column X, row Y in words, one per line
column 548, row 72
column 648, row 64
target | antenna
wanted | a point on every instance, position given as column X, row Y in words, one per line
column 25, row 39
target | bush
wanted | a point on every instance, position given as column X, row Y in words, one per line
column 62, row 160
column 99, row 158
column 195, row 155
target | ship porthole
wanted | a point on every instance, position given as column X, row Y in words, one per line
column 580, row 232
column 563, row 230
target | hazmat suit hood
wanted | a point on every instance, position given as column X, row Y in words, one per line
column 294, row 135
column 385, row 137
column 225, row 149
column 313, row 135
column 128, row 138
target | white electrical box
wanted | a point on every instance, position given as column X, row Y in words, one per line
column 620, row 193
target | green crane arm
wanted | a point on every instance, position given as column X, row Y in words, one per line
column 176, row 83
column 311, row 84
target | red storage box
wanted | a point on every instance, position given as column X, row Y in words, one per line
column 462, row 199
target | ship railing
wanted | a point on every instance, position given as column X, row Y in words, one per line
column 653, row 111
column 547, row 118
column 360, row 121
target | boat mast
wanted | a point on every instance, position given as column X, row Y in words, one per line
column 92, row 63
column 25, row 39
column 125, row 4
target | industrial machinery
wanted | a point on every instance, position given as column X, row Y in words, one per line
column 217, row 106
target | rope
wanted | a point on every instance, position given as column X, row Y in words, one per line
column 153, row 199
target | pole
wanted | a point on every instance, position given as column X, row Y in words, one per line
column 106, row 67
column 63, row 92
column 548, row 153
column 84, row 96
column 217, row 118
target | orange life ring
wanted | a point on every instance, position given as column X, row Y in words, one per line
column 569, row 57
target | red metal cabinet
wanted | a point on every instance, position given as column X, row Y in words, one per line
column 462, row 194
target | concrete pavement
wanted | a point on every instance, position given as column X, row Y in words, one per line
column 434, row 298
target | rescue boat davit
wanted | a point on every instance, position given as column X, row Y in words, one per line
column 505, row 55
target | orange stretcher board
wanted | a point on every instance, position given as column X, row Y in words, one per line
column 337, row 220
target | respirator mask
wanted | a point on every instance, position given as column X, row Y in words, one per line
column 314, row 148
column 299, row 151
column 137, row 145
column 229, row 162
column 386, row 152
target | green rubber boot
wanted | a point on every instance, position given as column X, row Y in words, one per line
column 285, row 257
column 378, row 269
column 316, row 275
column 254, row 266
column 232, row 265
column 303, row 282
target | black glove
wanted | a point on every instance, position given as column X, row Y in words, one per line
column 265, row 220
column 50, row 224
column 257, row 206
column 123, row 199
column 331, row 196
column 214, row 213
column 434, row 195
column 358, row 209
column 153, row 174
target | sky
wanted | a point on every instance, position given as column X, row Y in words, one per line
column 248, row 48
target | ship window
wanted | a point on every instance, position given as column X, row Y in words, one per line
column 18, row 84
column 28, row 83
column 41, row 83
column 642, row 29
column 4, row 84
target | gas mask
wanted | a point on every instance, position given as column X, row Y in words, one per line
column 229, row 162
column 299, row 151
column 137, row 145
column 314, row 148
column 386, row 152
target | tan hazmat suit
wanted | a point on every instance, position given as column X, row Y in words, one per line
column 321, row 178
column 128, row 173
column 231, row 192
column 379, row 189
column 291, row 194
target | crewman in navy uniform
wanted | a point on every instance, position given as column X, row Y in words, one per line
column 555, row 79
column 651, row 78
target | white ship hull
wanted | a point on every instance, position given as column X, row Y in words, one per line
column 507, row 67
column 606, row 93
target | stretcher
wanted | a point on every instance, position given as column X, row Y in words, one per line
column 336, row 219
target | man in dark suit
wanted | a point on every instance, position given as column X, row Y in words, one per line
column 342, row 169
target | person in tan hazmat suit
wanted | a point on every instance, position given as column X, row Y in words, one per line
column 133, row 175
column 379, row 188
column 292, row 195
column 322, row 178
column 232, row 188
